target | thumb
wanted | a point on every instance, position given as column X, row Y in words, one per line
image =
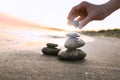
column 85, row 22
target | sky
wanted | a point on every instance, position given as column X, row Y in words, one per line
column 54, row 13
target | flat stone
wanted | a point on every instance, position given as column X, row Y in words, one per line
column 76, row 54
column 75, row 23
column 51, row 45
column 73, row 43
column 49, row 51
column 73, row 35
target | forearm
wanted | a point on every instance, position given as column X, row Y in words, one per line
column 112, row 6
column 115, row 4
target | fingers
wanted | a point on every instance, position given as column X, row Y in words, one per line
column 82, row 22
column 85, row 22
column 73, row 13
column 80, row 13
column 77, row 13
column 78, row 10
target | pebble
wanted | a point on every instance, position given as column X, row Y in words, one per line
column 73, row 43
column 76, row 54
column 49, row 51
column 51, row 45
column 75, row 23
column 73, row 35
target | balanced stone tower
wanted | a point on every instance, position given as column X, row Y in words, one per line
column 51, row 49
column 72, row 44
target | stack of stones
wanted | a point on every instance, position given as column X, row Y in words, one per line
column 51, row 49
column 72, row 44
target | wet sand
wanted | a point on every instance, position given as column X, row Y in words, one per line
column 21, row 57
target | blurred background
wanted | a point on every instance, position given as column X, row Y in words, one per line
column 23, row 20
column 52, row 13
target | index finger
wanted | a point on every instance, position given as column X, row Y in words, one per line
column 71, row 14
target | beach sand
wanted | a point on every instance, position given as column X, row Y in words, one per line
column 21, row 57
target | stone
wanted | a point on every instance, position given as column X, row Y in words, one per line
column 73, row 43
column 76, row 54
column 73, row 35
column 75, row 23
column 51, row 45
column 50, row 51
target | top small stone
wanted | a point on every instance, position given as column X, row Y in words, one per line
column 73, row 35
column 51, row 45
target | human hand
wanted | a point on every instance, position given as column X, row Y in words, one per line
column 86, row 12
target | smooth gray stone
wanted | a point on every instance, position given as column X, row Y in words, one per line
column 76, row 54
column 73, row 35
column 75, row 23
column 51, row 45
column 73, row 43
column 49, row 51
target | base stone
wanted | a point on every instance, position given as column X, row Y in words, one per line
column 50, row 51
column 76, row 54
